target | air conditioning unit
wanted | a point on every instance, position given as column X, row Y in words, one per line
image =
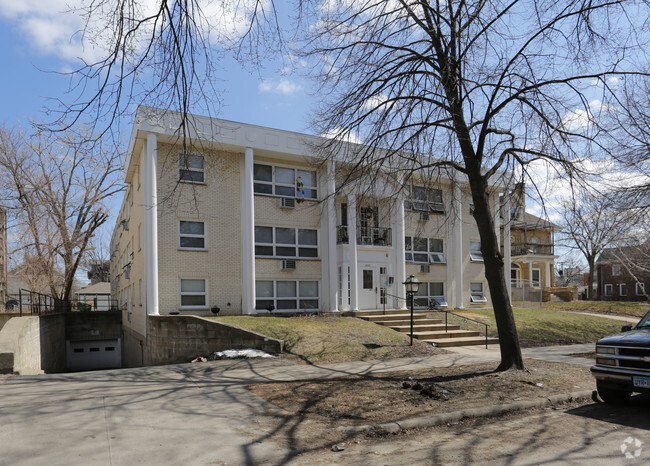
column 288, row 264
column 127, row 274
column 424, row 268
column 287, row 203
column 424, row 216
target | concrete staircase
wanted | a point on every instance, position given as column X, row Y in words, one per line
column 425, row 327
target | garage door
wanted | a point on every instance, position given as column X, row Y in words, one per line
column 87, row 355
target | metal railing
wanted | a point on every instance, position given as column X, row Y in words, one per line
column 523, row 249
column 34, row 303
column 366, row 236
column 435, row 307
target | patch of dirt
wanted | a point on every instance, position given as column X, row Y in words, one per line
column 381, row 398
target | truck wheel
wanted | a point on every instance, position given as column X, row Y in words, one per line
column 612, row 395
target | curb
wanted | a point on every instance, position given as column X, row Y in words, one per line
column 455, row 416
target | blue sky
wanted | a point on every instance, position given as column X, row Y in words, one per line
column 36, row 41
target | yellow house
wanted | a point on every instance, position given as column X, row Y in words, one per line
column 241, row 219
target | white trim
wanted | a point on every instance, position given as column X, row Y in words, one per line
column 293, row 185
column 150, row 150
column 296, row 297
column 248, row 234
column 475, row 256
column 621, row 288
column 189, row 169
column 477, row 297
column 295, row 245
column 332, row 282
column 536, row 283
column 640, row 287
column 352, row 234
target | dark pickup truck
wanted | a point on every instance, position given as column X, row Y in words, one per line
column 623, row 363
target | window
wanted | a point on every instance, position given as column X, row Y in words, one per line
column 476, row 293
column 430, row 294
column 192, row 235
column 622, row 289
column 286, row 295
column 640, row 289
column 609, row 290
column 424, row 250
column 536, row 278
column 193, row 293
column 281, row 181
column 475, row 253
column 424, row 199
column 616, row 270
column 191, row 168
column 286, row 242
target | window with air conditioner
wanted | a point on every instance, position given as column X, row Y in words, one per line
column 286, row 242
column 288, row 264
column 284, row 181
column 191, row 168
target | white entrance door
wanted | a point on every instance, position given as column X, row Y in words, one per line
column 369, row 288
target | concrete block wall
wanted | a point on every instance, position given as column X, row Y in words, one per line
column 178, row 339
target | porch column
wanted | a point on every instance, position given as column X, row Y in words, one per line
column 150, row 153
column 248, row 235
column 507, row 244
column 331, row 237
column 458, row 244
column 530, row 273
column 549, row 279
column 397, row 219
column 354, row 269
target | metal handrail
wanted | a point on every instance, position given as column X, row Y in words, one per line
column 464, row 318
column 438, row 309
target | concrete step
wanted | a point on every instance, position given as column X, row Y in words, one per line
column 407, row 322
column 381, row 312
column 461, row 341
column 442, row 334
column 394, row 317
column 423, row 327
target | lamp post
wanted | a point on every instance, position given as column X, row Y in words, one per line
column 412, row 286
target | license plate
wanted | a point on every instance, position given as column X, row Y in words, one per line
column 641, row 382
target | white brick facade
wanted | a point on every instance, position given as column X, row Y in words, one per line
column 207, row 216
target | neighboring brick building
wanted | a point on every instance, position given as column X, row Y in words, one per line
column 623, row 274
column 246, row 221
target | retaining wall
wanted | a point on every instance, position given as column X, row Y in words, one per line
column 33, row 345
column 177, row 339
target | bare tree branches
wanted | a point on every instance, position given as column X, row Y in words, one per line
column 56, row 193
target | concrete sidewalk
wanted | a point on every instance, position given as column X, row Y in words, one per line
column 178, row 414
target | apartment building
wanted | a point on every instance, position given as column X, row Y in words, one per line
column 242, row 219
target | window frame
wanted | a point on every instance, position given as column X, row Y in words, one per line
column 411, row 251
column 297, row 245
column 622, row 289
column 187, row 168
column 182, row 235
column 608, row 290
column 440, row 299
column 639, row 286
column 298, row 296
column 536, row 283
column 477, row 297
column 430, row 204
column 311, row 189
column 474, row 255
column 204, row 293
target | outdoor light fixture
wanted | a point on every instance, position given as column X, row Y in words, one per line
column 412, row 285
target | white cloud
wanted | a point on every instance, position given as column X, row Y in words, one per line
column 283, row 86
column 55, row 27
column 583, row 118
column 343, row 135
column 374, row 102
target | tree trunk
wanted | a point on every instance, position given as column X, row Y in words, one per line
column 494, row 273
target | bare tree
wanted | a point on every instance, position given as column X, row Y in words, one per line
column 55, row 192
column 592, row 223
column 482, row 87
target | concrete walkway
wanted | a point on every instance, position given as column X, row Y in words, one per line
column 178, row 414
column 631, row 320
